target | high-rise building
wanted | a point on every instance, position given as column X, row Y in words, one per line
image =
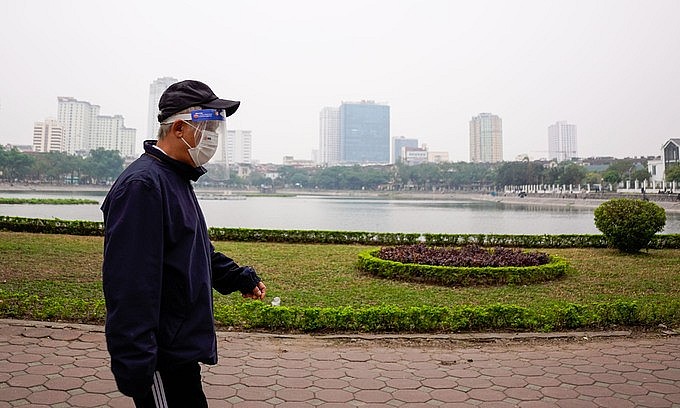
column 562, row 141
column 364, row 132
column 398, row 143
column 76, row 117
column 110, row 133
column 238, row 147
column 47, row 136
column 156, row 89
column 84, row 129
column 486, row 139
column 329, row 136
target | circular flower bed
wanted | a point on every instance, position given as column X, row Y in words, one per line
column 465, row 266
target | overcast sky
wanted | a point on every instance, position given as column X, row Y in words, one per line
column 610, row 67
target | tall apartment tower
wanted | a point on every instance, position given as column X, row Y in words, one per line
column 486, row 139
column 562, row 141
column 84, row 129
column 156, row 89
column 364, row 133
column 398, row 144
column 239, row 146
column 47, row 136
column 329, row 136
column 76, row 117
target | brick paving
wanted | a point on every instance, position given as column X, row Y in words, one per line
column 66, row 365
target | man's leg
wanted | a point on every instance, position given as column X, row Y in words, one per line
column 177, row 387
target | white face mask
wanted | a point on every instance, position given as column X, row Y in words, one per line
column 205, row 149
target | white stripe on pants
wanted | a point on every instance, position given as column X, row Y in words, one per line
column 158, row 391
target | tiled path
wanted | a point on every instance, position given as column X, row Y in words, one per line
column 58, row 365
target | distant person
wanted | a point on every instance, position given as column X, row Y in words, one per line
column 159, row 264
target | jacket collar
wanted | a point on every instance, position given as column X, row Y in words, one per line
column 183, row 169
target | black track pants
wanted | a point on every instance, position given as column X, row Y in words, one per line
column 178, row 387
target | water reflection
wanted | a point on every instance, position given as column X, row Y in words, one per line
column 356, row 214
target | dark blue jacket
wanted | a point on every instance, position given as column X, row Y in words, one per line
column 158, row 272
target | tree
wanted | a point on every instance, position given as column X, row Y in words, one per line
column 673, row 173
column 15, row 165
column 640, row 175
column 104, row 165
column 573, row 174
column 611, row 177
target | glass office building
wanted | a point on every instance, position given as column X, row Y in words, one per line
column 364, row 132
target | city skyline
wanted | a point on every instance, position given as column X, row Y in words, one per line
column 533, row 63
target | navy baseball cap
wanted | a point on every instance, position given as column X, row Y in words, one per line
column 185, row 94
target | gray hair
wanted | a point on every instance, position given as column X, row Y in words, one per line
column 166, row 126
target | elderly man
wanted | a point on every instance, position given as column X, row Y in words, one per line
column 159, row 265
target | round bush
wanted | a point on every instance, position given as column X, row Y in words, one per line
column 628, row 224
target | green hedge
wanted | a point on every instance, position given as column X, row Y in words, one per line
column 376, row 319
column 460, row 276
column 457, row 318
column 92, row 228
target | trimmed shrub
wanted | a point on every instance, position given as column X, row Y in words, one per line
column 460, row 276
column 93, row 228
column 629, row 225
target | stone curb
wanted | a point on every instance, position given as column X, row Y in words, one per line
column 469, row 337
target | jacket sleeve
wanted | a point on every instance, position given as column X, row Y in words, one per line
column 132, row 279
column 228, row 277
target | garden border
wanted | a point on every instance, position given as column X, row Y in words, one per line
column 461, row 276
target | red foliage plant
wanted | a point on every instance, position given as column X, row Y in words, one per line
column 466, row 256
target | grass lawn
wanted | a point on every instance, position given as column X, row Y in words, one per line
column 64, row 269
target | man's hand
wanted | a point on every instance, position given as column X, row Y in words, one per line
column 259, row 292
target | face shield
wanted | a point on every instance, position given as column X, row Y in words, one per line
column 206, row 121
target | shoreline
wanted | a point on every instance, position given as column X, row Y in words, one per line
column 582, row 202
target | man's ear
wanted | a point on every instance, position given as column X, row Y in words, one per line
column 177, row 128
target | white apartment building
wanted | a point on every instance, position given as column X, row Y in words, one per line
column 76, row 117
column 562, row 141
column 486, row 138
column 238, row 147
column 110, row 133
column 156, row 89
column 413, row 155
column 84, row 129
column 47, row 136
column 329, row 136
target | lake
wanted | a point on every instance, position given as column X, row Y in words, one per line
column 353, row 214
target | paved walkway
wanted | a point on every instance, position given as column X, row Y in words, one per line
column 66, row 365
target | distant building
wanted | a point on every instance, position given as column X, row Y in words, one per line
column 437, row 157
column 486, row 139
column 238, row 147
column 84, row 129
column 20, row 148
column 292, row 161
column 364, row 133
column 47, row 136
column 398, row 143
column 562, row 141
column 670, row 156
column 156, row 89
column 413, row 155
column 329, row 136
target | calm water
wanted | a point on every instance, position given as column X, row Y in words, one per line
column 353, row 214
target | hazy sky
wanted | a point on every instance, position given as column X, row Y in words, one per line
column 610, row 67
